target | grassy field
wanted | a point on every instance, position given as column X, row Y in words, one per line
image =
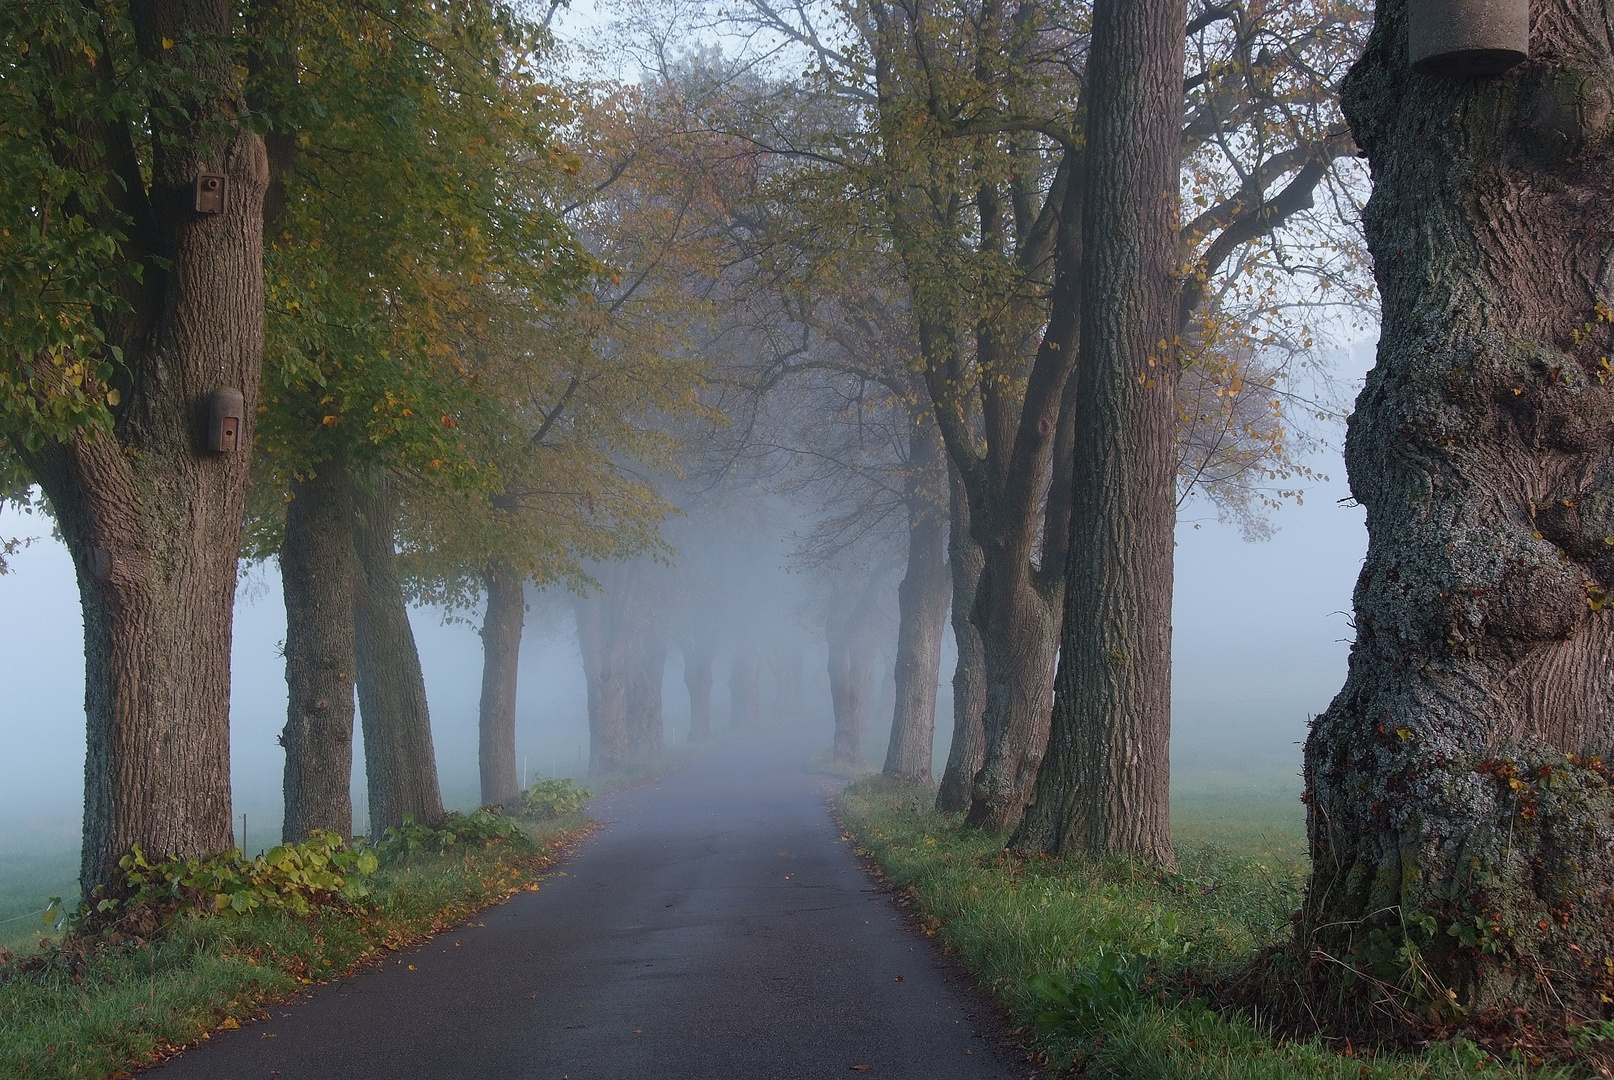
column 27, row 882
column 1076, row 943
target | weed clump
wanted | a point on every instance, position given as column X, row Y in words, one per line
column 552, row 798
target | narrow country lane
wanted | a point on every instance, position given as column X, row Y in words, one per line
column 717, row 927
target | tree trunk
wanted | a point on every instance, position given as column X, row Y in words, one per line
column 1104, row 785
column 745, row 689
column 852, row 654
column 967, row 751
column 400, row 765
column 502, row 625
column 1457, row 802
column 1018, row 621
column 151, row 516
column 605, row 671
column 848, row 689
column 698, row 679
column 922, row 602
column 787, row 682
column 647, row 667
column 318, row 568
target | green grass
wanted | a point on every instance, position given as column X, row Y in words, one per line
column 823, row 763
column 27, row 882
column 126, row 1006
column 1013, row 921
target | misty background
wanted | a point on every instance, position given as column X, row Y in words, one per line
column 1261, row 637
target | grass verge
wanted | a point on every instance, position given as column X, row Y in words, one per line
column 123, row 1007
column 1081, row 951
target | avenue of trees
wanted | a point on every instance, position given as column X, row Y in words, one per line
column 973, row 293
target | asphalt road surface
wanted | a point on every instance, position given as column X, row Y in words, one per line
column 717, row 927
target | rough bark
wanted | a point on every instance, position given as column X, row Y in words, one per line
column 1457, row 804
column 646, row 668
column 967, row 751
column 318, row 567
column 1018, row 624
column 1103, row 784
column 698, row 680
column 1022, row 537
column 745, row 689
column 922, row 603
column 151, row 516
column 502, row 625
column 400, row 765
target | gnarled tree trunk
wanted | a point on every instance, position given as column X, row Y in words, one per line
column 698, row 680
column 318, row 569
column 967, row 751
column 1455, row 797
column 400, row 765
column 502, row 624
column 1103, row 785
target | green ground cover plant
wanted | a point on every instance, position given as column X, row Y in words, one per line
column 168, row 962
column 549, row 799
column 1091, row 957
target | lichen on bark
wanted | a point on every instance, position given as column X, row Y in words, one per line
column 1461, row 825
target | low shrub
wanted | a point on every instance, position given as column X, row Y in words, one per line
column 549, row 799
column 480, row 828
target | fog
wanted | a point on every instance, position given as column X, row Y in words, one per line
column 1260, row 644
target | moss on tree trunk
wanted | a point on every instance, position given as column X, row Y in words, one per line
column 1462, row 830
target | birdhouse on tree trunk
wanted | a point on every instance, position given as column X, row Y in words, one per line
column 226, row 411
column 1467, row 38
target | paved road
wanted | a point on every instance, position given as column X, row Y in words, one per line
column 718, row 927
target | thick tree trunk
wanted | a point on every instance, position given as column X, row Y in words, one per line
column 1457, row 803
column 605, row 672
column 698, row 680
column 400, row 765
column 1017, row 617
column 967, row 751
column 922, row 603
column 1104, row 785
column 151, row 516
column 502, row 625
column 745, row 689
column 318, row 568
column 647, row 667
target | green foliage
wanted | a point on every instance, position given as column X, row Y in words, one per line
column 478, row 829
column 292, row 877
column 61, row 234
column 553, row 797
